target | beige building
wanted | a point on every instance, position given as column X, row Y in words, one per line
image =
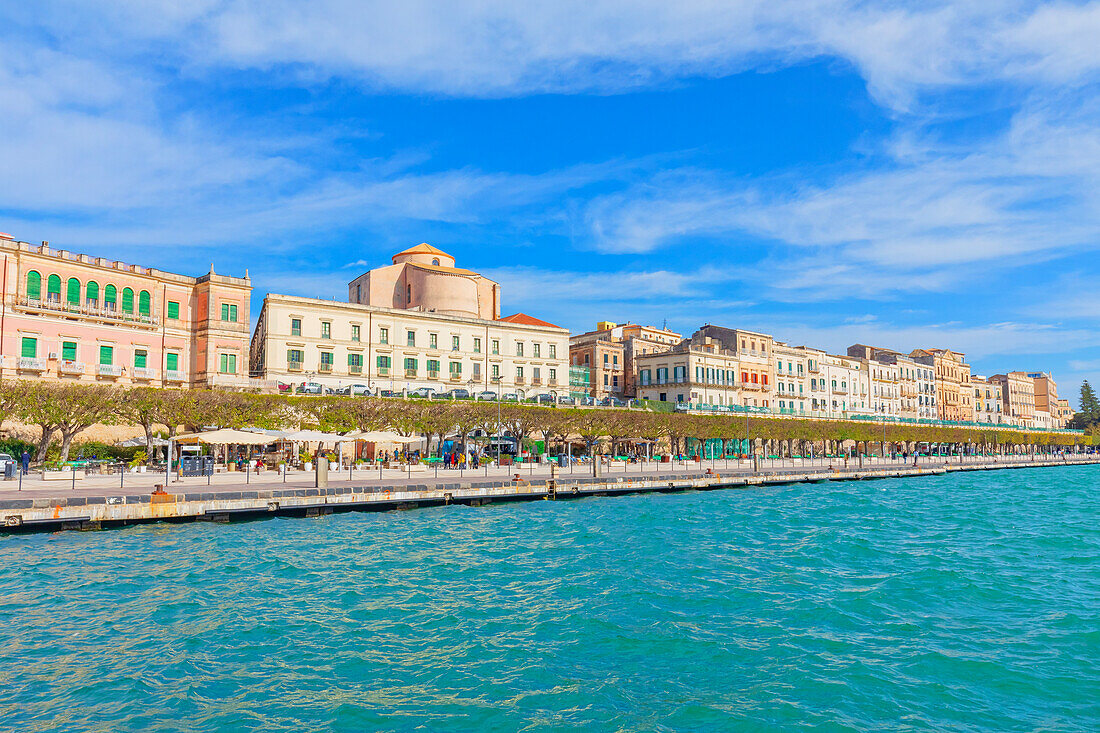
column 77, row 318
column 1017, row 398
column 1062, row 414
column 625, row 341
column 954, row 397
column 792, row 382
column 988, row 406
column 915, row 386
column 451, row 337
column 847, row 386
column 1046, row 399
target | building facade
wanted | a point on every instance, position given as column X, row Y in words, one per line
column 988, row 406
column 954, row 396
column 444, row 341
column 1017, row 398
column 915, row 386
column 1046, row 399
column 76, row 318
column 598, row 350
column 792, row 388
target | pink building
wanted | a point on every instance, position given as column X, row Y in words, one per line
column 74, row 317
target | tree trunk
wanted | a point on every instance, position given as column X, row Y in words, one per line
column 148, row 442
column 67, row 441
column 44, row 441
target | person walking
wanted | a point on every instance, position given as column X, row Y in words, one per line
column 26, row 459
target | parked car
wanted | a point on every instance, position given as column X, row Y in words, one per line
column 487, row 396
column 612, row 402
column 567, row 400
column 509, row 397
column 427, row 392
column 545, row 399
column 5, row 459
column 310, row 388
column 589, row 401
column 359, row 390
column 388, row 393
column 458, row 394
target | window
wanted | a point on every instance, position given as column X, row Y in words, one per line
column 110, row 297
column 295, row 357
column 34, row 285
column 91, row 293
column 53, row 288
column 643, row 376
column 433, row 366
column 68, row 351
column 615, row 360
column 295, row 326
column 141, row 358
column 519, row 348
column 678, row 373
column 173, row 309
column 326, row 361
column 780, row 366
column 106, row 355
column 229, row 312
column 228, row 363
column 383, row 335
column 537, row 373
column 433, row 341
column 127, row 300
column 495, row 371
column 554, row 352
column 355, row 332
column 410, row 364
column 456, row 368
column 145, row 304
column 383, row 362
column 454, row 343
column 536, row 350
column 410, row 338
column 606, row 359
column 477, row 345
column 477, row 370
column 326, row 329
column 519, row 373
column 30, row 347
column 496, row 346
column 172, row 362
column 553, row 374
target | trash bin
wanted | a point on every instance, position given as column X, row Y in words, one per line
column 561, row 461
column 9, row 471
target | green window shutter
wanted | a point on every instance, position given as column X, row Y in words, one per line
column 34, row 285
column 232, row 363
column 110, row 295
column 127, row 301
column 68, row 351
column 72, row 291
column 91, row 291
column 106, row 355
column 225, row 311
column 141, row 358
column 53, row 286
column 30, row 347
column 144, row 303
column 172, row 361
column 223, row 365
column 173, row 309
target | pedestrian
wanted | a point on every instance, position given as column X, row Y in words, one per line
column 26, row 458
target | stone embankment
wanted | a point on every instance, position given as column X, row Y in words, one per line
column 48, row 513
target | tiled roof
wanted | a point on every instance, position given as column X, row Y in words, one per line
column 422, row 249
column 442, row 268
column 526, row 320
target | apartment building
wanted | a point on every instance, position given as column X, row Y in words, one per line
column 915, row 387
column 420, row 322
column 987, row 401
column 1063, row 413
column 1046, row 399
column 846, row 387
column 954, row 397
column 792, row 389
column 1017, row 398
column 611, row 340
column 77, row 318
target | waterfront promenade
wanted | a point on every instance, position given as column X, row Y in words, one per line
column 104, row 501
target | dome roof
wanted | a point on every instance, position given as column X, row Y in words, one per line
column 423, row 249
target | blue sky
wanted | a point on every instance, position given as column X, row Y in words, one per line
column 903, row 174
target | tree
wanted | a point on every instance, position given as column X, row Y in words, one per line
column 1090, row 408
column 34, row 405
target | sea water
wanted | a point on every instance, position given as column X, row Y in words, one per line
column 965, row 602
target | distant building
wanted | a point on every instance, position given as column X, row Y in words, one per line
column 1017, row 398
column 418, row 322
column 915, row 386
column 954, row 397
column 1046, row 399
column 76, row 318
column 988, row 401
column 610, row 351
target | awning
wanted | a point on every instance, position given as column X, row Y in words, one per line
column 315, row 436
column 225, row 436
column 380, row 436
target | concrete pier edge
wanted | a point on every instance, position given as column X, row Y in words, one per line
column 99, row 512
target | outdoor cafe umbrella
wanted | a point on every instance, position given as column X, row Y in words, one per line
column 224, row 436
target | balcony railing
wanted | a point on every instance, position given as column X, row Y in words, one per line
column 70, row 367
column 410, row 374
column 456, row 376
column 519, row 380
column 325, row 368
column 144, row 373
column 174, row 375
column 294, row 366
column 536, row 381
column 433, row 374
column 814, row 368
column 91, row 311
column 32, row 364
column 355, row 368
column 383, row 371
column 110, row 370
column 552, row 382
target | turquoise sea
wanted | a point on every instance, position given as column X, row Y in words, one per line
column 960, row 603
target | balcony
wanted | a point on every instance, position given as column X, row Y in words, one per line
column 752, row 386
column 814, row 368
column 519, row 380
column 174, row 375
column 143, row 373
column 94, row 311
column 840, row 390
column 536, row 381
column 70, row 367
column 32, row 364
column 325, row 368
column 456, row 377
column 552, row 382
column 294, row 366
column 433, row 374
column 410, row 374
column 355, row 368
column 383, row 371
column 110, row 370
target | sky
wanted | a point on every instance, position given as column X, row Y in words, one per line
column 830, row 172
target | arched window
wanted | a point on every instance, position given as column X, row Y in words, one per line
column 144, row 303
column 127, row 300
column 110, row 297
column 34, row 285
column 53, row 288
column 91, row 293
column 72, row 291
column 435, row 261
